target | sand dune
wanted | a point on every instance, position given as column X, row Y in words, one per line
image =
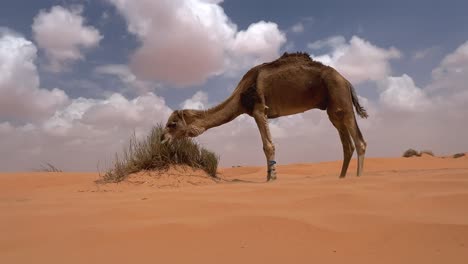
column 412, row 210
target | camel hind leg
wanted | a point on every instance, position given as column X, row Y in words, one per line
column 360, row 144
column 341, row 113
column 336, row 117
column 348, row 150
column 349, row 131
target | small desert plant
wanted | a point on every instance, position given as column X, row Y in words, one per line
column 427, row 152
column 151, row 154
column 47, row 167
column 458, row 155
column 411, row 153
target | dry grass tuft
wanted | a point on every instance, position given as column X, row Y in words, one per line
column 47, row 167
column 411, row 153
column 458, row 155
column 427, row 152
column 150, row 154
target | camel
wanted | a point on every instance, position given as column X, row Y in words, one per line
column 291, row 84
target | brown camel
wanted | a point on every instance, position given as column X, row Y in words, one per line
column 292, row 84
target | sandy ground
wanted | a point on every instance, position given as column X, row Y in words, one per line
column 412, row 210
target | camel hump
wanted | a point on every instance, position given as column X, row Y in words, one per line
column 303, row 55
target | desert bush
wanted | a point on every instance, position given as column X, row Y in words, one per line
column 427, row 152
column 458, row 155
column 48, row 167
column 411, row 153
column 151, row 154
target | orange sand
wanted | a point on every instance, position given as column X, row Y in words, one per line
column 412, row 210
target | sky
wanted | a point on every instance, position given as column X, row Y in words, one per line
column 79, row 77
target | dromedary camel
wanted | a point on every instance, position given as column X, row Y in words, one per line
column 292, row 84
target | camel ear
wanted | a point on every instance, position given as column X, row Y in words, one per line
column 180, row 113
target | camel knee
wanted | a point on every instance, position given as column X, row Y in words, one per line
column 361, row 147
column 336, row 114
column 269, row 149
column 351, row 148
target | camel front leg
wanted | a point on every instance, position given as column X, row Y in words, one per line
column 268, row 147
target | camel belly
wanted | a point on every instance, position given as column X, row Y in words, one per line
column 283, row 101
column 284, row 108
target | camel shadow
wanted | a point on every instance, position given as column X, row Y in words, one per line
column 234, row 181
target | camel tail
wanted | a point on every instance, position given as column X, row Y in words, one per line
column 359, row 109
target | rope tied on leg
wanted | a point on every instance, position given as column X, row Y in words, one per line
column 270, row 164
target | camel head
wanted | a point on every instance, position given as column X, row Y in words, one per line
column 181, row 123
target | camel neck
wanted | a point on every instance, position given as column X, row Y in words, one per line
column 220, row 114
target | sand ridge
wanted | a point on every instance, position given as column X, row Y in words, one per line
column 403, row 210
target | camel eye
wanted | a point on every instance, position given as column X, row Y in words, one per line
column 172, row 125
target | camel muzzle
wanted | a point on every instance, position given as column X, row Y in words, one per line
column 165, row 137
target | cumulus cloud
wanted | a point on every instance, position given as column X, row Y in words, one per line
column 21, row 98
column 118, row 111
column 184, row 42
column 401, row 93
column 63, row 35
column 39, row 125
column 259, row 43
column 359, row 60
column 298, row 28
column 334, row 42
column 82, row 134
column 423, row 53
column 451, row 75
column 198, row 101
column 126, row 76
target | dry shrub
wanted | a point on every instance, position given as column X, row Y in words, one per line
column 48, row 167
column 459, row 155
column 411, row 153
column 427, row 152
column 151, row 154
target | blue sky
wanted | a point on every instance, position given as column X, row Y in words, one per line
column 388, row 49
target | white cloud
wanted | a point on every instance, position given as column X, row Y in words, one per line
column 126, row 76
column 118, row 111
column 423, row 53
column 82, row 134
column 298, row 28
column 400, row 93
column 39, row 125
column 62, row 120
column 185, row 42
column 198, row 101
column 21, row 98
column 259, row 43
column 359, row 60
column 334, row 42
column 452, row 74
column 63, row 35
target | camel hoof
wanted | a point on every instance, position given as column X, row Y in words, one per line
column 271, row 178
